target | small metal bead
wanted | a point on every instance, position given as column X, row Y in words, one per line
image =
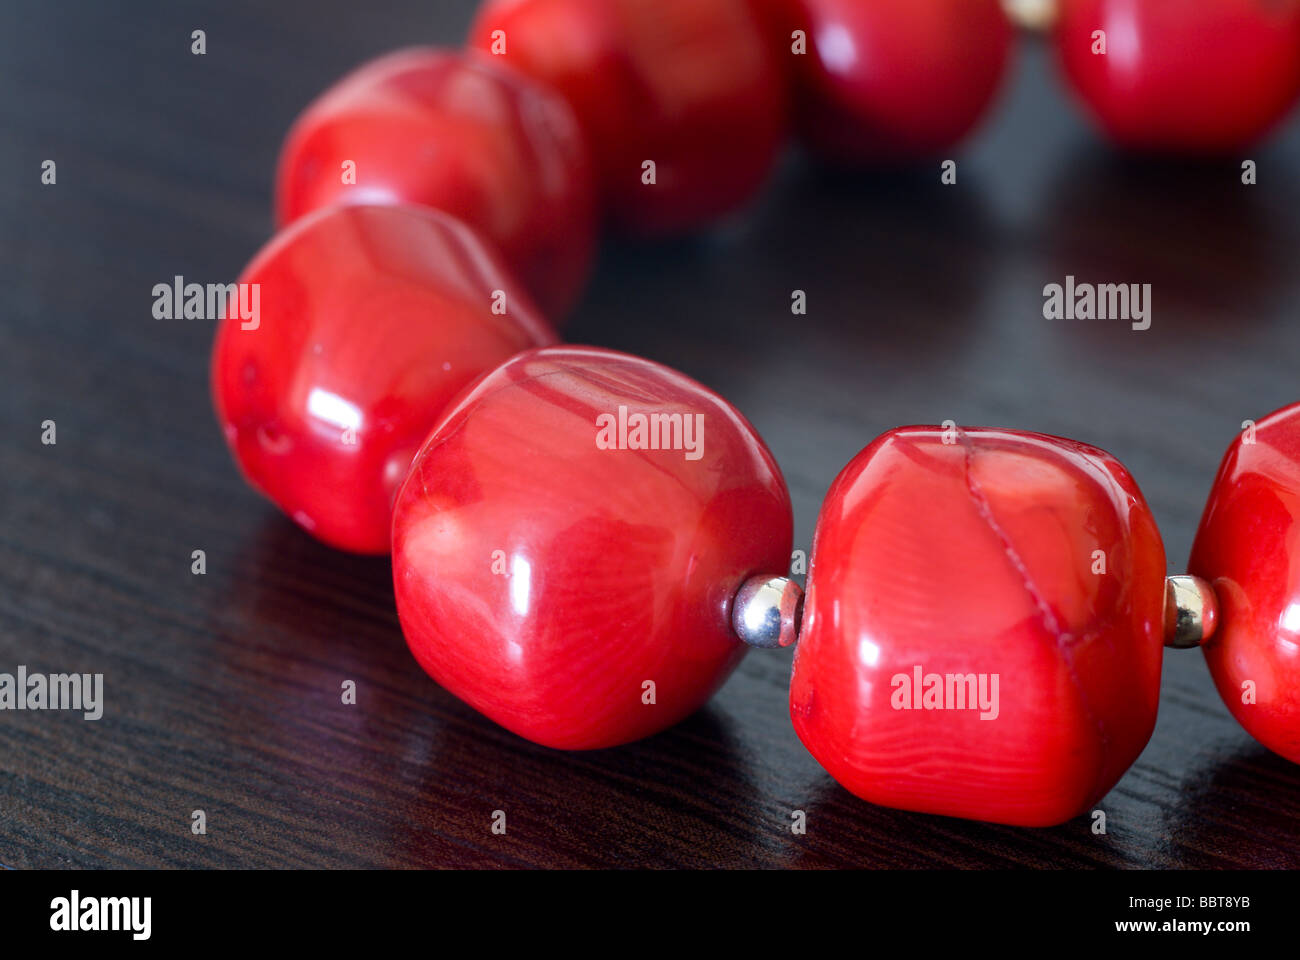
column 766, row 611
column 1191, row 612
column 1037, row 15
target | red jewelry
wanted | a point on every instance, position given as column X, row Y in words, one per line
column 984, row 625
column 586, row 542
column 371, row 320
column 1211, row 76
column 1247, row 547
column 569, row 540
column 896, row 79
column 692, row 88
column 466, row 135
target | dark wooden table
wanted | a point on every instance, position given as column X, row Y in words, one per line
column 925, row 304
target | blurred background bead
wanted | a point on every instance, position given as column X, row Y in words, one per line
column 1031, row 14
column 1212, row 77
column 895, row 81
column 683, row 102
column 464, row 134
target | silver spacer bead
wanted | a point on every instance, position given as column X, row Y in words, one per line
column 1191, row 612
column 1038, row 15
column 766, row 611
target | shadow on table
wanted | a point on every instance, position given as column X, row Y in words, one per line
column 1238, row 810
column 886, row 260
column 1208, row 244
column 677, row 799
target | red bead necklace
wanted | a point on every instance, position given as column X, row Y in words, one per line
column 585, row 543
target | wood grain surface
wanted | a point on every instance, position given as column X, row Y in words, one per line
column 925, row 303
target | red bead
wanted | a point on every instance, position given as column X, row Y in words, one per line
column 1248, row 548
column 894, row 80
column 1209, row 76
column 691, row 85
column 546, row 577
column 1016, row 556
column 463, row 134
column 370, row 320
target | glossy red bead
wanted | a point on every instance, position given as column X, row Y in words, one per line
column 369, row 320
column 1248, row 548
column 893, row 80
column 1211, row 76
column 467, row 135
column 1029, row 564
column 547, row 568
column 692, row 85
